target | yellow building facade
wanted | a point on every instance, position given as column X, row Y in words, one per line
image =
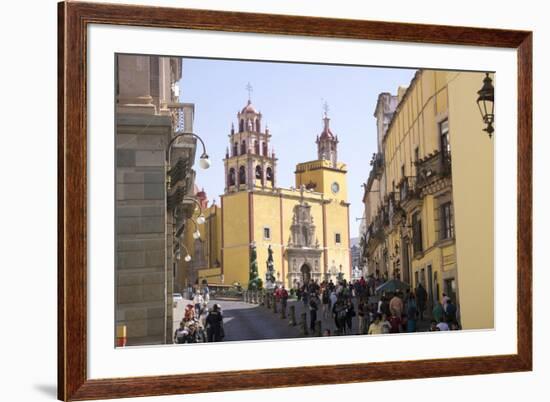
column 306, row 226
column 429, row 197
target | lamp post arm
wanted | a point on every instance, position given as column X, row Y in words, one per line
column 179, row 135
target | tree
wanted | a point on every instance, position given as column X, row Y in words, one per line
column 254, row 282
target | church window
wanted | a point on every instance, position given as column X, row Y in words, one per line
column 243, row 147
column 269, row 174
column 242, row 175
column 256, row 147
column 258, row 126
column 235, row 149
column 259, row 172
column 338, row 238
column 241, row 126
column 231, row 177
column 267, row 233
column 264, row 148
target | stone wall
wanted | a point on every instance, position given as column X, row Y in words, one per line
column 143, row 287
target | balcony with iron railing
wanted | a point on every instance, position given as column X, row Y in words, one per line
column 408, row 190
column 377, row 163
column 435, row 166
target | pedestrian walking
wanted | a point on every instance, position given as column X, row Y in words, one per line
column 421, row 297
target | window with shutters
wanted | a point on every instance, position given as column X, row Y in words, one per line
column 446, row 221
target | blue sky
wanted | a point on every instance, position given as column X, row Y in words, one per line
column 290, row 97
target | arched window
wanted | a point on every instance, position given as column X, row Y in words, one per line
column 269, row 174
column 256, row 147
column 241, row 126
column 264, row 148
column 231, row 178
column 235, row 149
column 242, row 175
column 243, row 147
column 259, row 172
column 258, row 125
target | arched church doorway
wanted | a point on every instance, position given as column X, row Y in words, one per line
column 306, row 273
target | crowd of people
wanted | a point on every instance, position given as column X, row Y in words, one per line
column 200, row 323
column 377, row 313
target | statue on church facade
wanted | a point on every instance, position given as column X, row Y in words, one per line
column 270, row 271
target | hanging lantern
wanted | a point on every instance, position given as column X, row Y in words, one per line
column 486, row 104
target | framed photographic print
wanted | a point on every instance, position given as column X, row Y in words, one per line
column 252, row 201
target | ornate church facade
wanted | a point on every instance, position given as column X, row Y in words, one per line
column 306, row 225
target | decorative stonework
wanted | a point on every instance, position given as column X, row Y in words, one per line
column 303, row 251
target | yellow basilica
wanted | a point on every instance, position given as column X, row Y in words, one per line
column 307, row 226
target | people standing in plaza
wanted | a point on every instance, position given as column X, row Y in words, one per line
column 305, row 295
column 312, row 313
column 198, row 300
column 442, row 325
column 395, row 324
column 376, row 327
column 450, row 311
column 333, row 299
column 361, row 313
column 325, row 299
column 396, row 305
column 284, row 300
column 214, row 325
column 421, row 297
column 339, row 313
column 437, row 312
column 445, row 301
column 350, row 313
column 386, row 326
column 206, row 293
column 412, row 312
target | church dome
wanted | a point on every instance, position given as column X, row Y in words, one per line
column 326, row 133
column 249, row 108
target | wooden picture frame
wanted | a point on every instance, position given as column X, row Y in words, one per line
column 73, row 383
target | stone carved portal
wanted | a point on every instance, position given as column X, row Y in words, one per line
column 303, row 252
column 306, row 273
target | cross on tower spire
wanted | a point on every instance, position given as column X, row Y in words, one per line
column 249, row 89
column 325, row 108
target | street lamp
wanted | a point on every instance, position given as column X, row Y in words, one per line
column 196, row 233
column 187, row 257
column 486, row 104
column 204, row 161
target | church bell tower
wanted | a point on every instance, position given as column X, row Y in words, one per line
column 249, row 162
column 327, row 144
